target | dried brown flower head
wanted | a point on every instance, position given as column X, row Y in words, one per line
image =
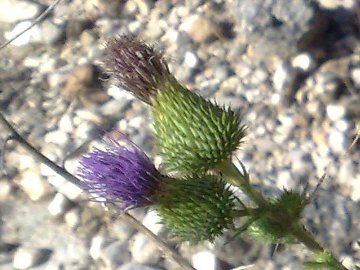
column 136, row 66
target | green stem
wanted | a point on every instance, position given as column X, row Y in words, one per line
column 241, row 180
column 306, row 238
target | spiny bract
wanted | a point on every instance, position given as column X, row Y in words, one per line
column 193, row 134
column 275, row 225
column 196, row 210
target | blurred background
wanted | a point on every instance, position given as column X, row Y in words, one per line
column 292, row 67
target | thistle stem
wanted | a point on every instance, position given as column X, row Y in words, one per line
column 307, row 239
column 241, row 180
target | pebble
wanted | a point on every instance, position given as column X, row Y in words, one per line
column 144, row 6
column 65, row 124
column 355, row 194
column 121, row 230
column 191, row 60
column 284, row 179
column 337, row 141
column 200, row 28
column 59, row 205
column 355, row 76
column 284, row 77
column 25, row 258
column 71, row 191
column 204, row 260
column 5, row 190
column 46, row 32
column 33, row 184
column 72, row 218
column 98, row 243
column 337, row 4
column 137, row 266
column 79, row 81
column 12, row 11
column 335, row 112
column 304, row 62
column 115, row 254
column 152, row 221
column 143, row 250
column 115, row 107
column 57, row 136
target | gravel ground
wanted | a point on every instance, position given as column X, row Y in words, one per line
column 293, row 69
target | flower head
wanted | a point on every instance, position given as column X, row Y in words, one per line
column 120, row 173
column 136, row 66
column 197, row 208
column 193, row 134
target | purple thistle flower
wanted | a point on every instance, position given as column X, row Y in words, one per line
column 120, row 173
column 136, row 66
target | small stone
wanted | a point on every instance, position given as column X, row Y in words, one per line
column 115, row 107
column 34, row 185
column 136, row 122
column 79, row 80
column 284, row 180
column 201, row 29
column 57, row 136
column 144, row 250
column 152, row 221
column 137, row 266
column 118, row 93
column 121, row 230
column 204, row 260
column 191, row 59
column 144, row 6
column 135, row 26
column 5, row 190
column 98, row 243
column 337, row 141
column 72, row 218
column 335, row 112
column 304, row 62
column 115, row 254
column 25, row 258
column 49, row 32
column 355, row 76
column 46, row 32
column 71, row 191
column 355, row 194
column 65, row 124
column 59, row 205
column 337, row 4
column 25, row 38
column 14, row 10
column 284, row 77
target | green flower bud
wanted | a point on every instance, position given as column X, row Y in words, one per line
column 274, row 225
column 195, row 210
column 193, row 134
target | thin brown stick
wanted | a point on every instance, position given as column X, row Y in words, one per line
column 169, row 252
column 35, row 22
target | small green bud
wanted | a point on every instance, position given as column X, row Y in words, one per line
column 193, row 134
column 274, row 225
column 195, row 210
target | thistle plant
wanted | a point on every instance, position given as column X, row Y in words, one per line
column 197, row 140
